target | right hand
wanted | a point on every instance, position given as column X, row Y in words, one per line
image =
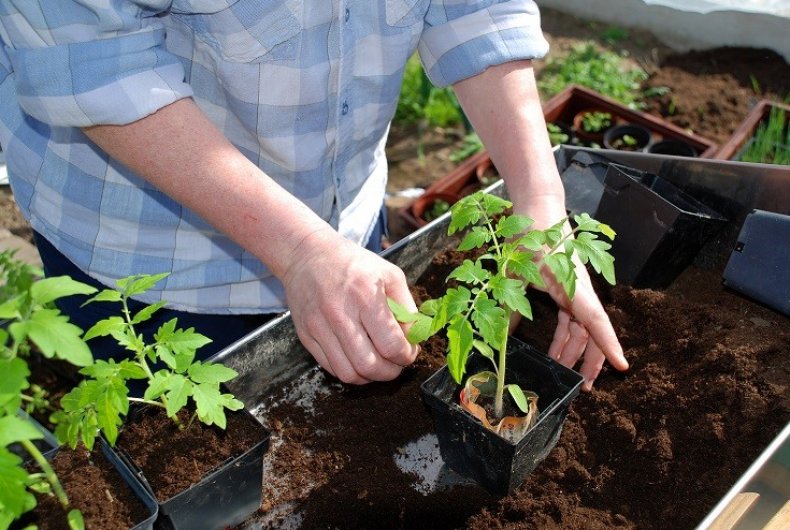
column 337, row 293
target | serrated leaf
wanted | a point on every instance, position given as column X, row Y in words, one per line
column 179, row 388
column 457, row 300
column 490, row 321
column 512, row 224
column 471, row 273
column 139, row 283
column 533, row 240
column 55, row 336
column 211, row 373
column 48, row 290
column 108, row 326
column 585, row 223
column 510, row 292
column 180, row 341
column 107, row 295
column 14, row 497
column 563, row 270
column 430, row 307
column 518, row 397
column 475, row 238
column 12, row 382
column 15, row 429
column 209, row 403
column 459, row 343
column 402, row 314
column 10, row 308
column 421, row 330
column 594, row 251
column 522, row 265
column 157, row 385
column 465, row 212
column 147, row 312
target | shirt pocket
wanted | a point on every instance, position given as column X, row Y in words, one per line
column 403, row 13
column 244, row 31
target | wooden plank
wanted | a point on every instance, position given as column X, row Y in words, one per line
column 735, row 510
column 781, row 520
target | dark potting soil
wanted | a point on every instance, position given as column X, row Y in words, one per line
column 654, row 448
column 94, row 487
column 173, row 459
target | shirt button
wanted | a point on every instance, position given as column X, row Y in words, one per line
column 347, row 14
column 345, row 108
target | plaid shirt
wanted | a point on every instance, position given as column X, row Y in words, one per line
column 305, row 89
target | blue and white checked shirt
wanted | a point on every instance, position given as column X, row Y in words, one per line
column 305, row 89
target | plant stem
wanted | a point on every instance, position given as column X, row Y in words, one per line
column 500, row 376
column 52, row 478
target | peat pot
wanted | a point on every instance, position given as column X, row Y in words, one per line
column 660, row 229
column 475, row 452
column 223, row 497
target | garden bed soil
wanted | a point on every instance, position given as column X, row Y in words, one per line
column 654, row 448
column 94, row 487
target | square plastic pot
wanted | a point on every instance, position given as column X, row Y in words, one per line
column 473, row 451
column 223, row 498
column 660, row 228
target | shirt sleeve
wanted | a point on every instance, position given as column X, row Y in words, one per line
column 462, row 38
column 78, row 63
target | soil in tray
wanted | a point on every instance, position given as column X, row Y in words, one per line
column 94, row 487
column 706, row 392
column 173, row 459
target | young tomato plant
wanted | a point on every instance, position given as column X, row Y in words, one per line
column 31, row 322
column 476, row 313
column 102, row 400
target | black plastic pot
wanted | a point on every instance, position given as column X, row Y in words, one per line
column 223, row 498
column 473, row 451
column 759, row 266
column 613, row 138
column 660, row 228
column 672, row 147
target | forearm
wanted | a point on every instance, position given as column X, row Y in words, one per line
column 179, row 151
column 504, row 107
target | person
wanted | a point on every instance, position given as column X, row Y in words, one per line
column 239, row 146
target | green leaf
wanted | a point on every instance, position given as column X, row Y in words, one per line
column 430, row 307
column 147, row 312
column 109, row 326
column 521, row 264
column 475, row 238
column 11, row 308
column 607, row 231
column 457, row 300
column 592, row 250
column 402, row 314
column 12, row 382
column 157, row 385
column 518, row 397
column 54, row 336
column 15, row 429
column 14, row 496
column 563, row 269
column 510, row 292
column 211, row 373
column 533, row 240
column 493, row 205
column 460, row 340
column 107, row 295
column 180, row 341
column 211, row 404
column 490, row 321
column 485, row 350
column 139, row 283
column 421, row 330
column 471, row 273
column 75, row 519
column 512, row 225
column 179, row 388
column 465, row 212
column 50, row 289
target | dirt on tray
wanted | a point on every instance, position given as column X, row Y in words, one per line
column 651, row 449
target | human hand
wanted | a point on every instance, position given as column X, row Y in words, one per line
column 337, row 294
column 583, row 329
